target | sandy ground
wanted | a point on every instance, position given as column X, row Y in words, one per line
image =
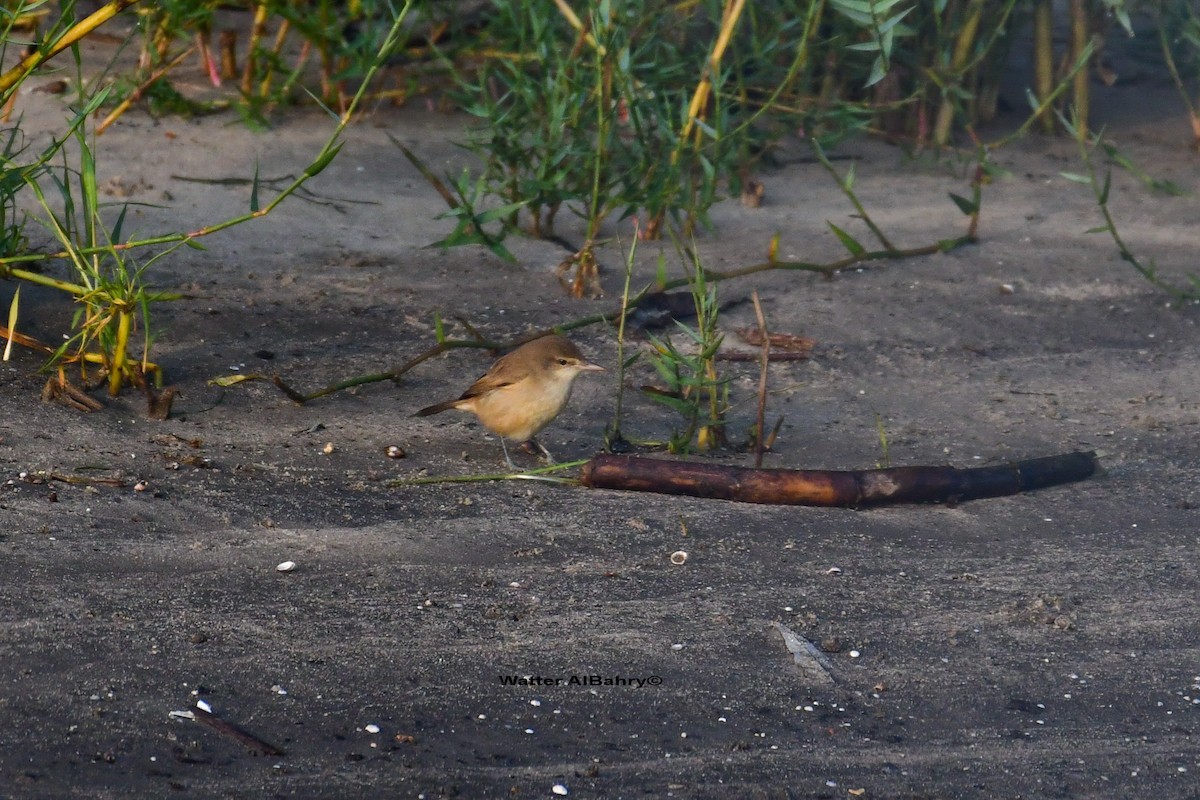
column 1043, row 645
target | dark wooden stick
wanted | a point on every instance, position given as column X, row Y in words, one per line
column 248, row 740
column 831, row 488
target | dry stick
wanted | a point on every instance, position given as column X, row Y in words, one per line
column 248, row 740
column 137, row 93
column 762, row 379
column 436, row 350
column 775, row 357
column 833, row 488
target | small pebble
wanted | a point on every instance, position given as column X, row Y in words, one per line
column 372, row 728
column 559, row 789
column 286, row 566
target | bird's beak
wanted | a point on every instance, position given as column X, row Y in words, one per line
column 586, row 367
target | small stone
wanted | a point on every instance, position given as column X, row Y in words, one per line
column 286, row 566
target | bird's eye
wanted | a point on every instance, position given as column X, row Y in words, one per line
column 562, row 362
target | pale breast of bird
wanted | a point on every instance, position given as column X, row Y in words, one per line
column 516, row 420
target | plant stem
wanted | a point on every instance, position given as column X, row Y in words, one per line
column 958, row 65
column 1080, row 39
column 1043, row 60
column 119, row 355
column 71, row 36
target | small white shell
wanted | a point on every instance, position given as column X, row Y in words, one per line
column 372, row 728
column 679, row 557
column 559, row 789
column 286, row 566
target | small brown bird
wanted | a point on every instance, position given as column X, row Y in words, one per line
column 523, row 391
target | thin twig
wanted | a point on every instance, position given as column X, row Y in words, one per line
column 245, row 738
column 137, row 93
column 765, row 359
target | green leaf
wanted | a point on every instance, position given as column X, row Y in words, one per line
column 493, row 214
column 12, row 320
column 1102, row 198
column 323, row 160
column 254, row 191
column 1100, row 229
column 120, row 223
column 878, row 72
column 1168, row 187
column 889, row 24
column 1076, row 177
column 848, row 241
column 967, row 207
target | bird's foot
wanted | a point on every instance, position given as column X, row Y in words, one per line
column 534, row 447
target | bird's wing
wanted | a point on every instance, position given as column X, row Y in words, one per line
column 503, row 373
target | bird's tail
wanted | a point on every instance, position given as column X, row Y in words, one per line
column 436, row 408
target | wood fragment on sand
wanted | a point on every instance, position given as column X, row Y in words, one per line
column 834, row 488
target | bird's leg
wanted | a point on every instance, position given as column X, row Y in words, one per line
column 545, row 452
column 507, row 457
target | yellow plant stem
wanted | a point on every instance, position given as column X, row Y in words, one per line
column 958, row 64
column 137, row 93
column 729, row 20
column 264, row 88
column 44, row 280
column 1043, row 60
column 574, row 21
column 1080, row 38
column 77, row 31
column 119, row 356
column 256, row 32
